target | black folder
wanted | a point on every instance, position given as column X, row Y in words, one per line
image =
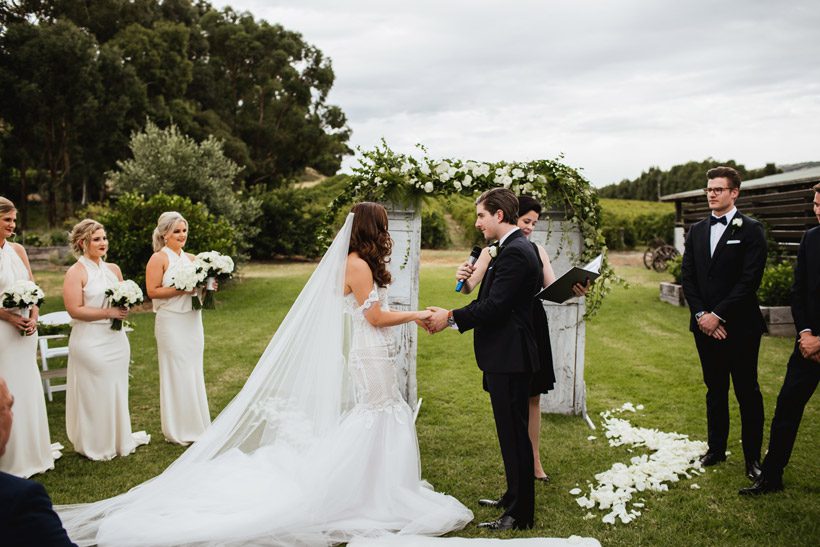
column 561, row 289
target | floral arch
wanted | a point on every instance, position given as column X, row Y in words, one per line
column 387, row 176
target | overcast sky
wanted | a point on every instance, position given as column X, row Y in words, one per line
column 616, row 86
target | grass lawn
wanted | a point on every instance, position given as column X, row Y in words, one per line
column 638, row 350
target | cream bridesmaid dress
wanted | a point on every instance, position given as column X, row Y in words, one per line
column 29, row 450
column 180, row 347
column 97, row 419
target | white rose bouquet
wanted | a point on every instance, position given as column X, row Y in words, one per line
column 187, row 278
column 23, row 294
column 215, row 266
column 125, row 294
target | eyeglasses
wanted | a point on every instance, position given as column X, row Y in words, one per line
column 716, row 191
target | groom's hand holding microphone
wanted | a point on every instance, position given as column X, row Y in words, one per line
column 465, row 271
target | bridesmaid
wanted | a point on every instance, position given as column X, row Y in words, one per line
column 97, row 419
column 29, row 449
column 180, row 336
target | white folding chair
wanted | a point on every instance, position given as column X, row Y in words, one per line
column 49, row 351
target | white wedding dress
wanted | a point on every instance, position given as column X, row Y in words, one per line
column 29, row 450
column 317, row 448
column 183, row 402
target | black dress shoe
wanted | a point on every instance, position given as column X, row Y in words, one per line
column 505, row 523
column 486, row 502
column 712, row 458
column 753, row 470
column 762, row 486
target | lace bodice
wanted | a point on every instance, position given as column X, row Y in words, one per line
column 100, row 278
column 365, row 335
column 372, row 356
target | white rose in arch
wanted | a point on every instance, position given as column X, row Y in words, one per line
column 444, row 177
column 428, row 187
column 468, row 180
column 457, row 185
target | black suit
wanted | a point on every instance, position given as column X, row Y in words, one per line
column 802, row 374
column 726, row 283
column 506, row 350
column 26, row 515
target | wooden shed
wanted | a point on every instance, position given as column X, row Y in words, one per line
column 783, row 202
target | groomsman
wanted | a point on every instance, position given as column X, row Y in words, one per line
column 505, row 348
column 803, row 371
column 722, row 267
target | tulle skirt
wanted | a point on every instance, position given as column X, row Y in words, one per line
column 183, row 401
column 98, row 422
column 29, row 449
column 362, row 480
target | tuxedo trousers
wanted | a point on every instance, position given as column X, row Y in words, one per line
column 509, row 396
column 734, row 357
column 802, row 376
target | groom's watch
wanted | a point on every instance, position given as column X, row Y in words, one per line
column 451, row 321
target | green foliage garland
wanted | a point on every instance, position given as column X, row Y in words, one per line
column 384, row 175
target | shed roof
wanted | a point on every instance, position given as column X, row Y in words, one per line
column 812, row 174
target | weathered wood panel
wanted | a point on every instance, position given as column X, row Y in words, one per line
column 405, row 229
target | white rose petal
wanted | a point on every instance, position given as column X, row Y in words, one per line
column 575, row 491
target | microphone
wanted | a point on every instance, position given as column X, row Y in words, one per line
column 476, row 252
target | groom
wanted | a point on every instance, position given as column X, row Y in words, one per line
column 505, row 347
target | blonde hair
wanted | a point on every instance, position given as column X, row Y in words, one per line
column 81, row 234
column 165, row 224
column 6, row 206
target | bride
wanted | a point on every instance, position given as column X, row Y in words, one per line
column 317, row 448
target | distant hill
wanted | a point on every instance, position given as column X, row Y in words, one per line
column 656, row 182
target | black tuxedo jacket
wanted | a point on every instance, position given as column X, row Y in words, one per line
column 504, row 339
column 726, row 283
column 806, row 287
column 26, row 515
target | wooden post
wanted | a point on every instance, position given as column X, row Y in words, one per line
column 566, row 321
column 405, row 229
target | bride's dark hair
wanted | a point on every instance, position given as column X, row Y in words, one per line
column 371, row 239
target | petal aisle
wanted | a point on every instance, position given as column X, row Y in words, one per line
column 674, row 456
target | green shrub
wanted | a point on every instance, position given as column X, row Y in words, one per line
column 775, row 288
column 130, row 222
column 434, row 230
column 58, row 238
column 288, row 225
column 674, row 267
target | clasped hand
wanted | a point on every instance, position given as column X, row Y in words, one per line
column 434, row 320
column 809, row 346
column 709, row 324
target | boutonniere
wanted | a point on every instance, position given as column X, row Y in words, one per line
column 493, row 250
column 737, row 222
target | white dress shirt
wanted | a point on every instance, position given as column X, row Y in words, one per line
column 717, row 230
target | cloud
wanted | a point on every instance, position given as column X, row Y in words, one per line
column 618, row 86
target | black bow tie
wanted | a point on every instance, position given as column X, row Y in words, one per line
column 715, row 220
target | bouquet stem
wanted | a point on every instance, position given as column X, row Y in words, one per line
column 26, row 313
column 116, row 324
column 196, row 302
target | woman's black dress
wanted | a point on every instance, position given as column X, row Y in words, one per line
column 544, row 379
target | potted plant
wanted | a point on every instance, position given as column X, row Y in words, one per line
column 774, row 295
column 672, row 292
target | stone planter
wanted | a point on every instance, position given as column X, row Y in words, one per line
column 672, row 293
column 779, row 320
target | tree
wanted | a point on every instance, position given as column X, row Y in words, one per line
column 655, row 182
column 166, row 161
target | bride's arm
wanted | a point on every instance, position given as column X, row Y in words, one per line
column 359, row 281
